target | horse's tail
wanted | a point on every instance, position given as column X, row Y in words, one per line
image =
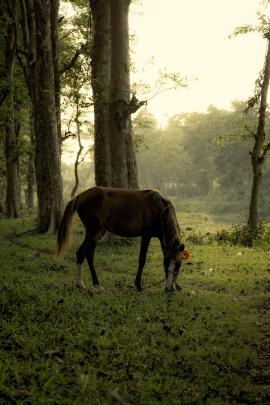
column 64, row 236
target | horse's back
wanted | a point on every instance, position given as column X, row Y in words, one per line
column 121, row 211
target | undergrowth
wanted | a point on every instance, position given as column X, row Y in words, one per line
column 201, row 345
column 232, row 235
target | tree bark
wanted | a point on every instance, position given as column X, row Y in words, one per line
column 28, row 29
column 258, row 153
column 123, row 160
column 39, row 27
column 31, row 164
column 100, row 78
column 115, row 162
column 47, row 147
column 120, row 91
column 54, row 12
column 11, row 144
column 17, row 129
column 132, row 169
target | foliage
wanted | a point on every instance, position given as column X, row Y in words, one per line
column 201, row 345
column 262, row 26
column 74, row 42
column 201, row 231
column 143, row 125
column 203, row 156
column 240, row 234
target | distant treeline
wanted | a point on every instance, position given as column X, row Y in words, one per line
column 203, row 156
column 201, row 160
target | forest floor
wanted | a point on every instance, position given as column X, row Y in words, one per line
column 207, row 344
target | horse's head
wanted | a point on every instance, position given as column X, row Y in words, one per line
column 171, row 245
column 172, row 264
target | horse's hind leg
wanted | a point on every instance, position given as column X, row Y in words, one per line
column 80, row 254
column 90, row 259
column 142, row 258
column 86, row 250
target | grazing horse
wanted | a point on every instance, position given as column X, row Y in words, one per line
column 126, row 213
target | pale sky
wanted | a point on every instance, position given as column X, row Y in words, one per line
column 191, row 37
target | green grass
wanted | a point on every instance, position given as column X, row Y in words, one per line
column 203, row 345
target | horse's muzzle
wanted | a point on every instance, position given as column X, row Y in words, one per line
column 173, row 271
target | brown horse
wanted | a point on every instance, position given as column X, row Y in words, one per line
column 126, row 213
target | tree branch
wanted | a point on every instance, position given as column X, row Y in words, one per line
column 67, row 134
column 162, row 91
column 72, row 62
column 135, row 104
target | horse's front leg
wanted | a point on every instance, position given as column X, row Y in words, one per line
column 142, row 258
column 166, row 264
column 177, row 286
column 168, row 274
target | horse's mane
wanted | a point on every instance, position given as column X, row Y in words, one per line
column 169, row 223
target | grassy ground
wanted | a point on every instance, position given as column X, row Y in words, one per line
column 208, row 344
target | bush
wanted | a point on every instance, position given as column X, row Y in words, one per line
column 236, row 235
column 241, row 235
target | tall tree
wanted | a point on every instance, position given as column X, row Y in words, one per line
column 39, row 27
column 260, row 147
column 120, row 91
column 115, row 162
column 123, row 161
column 31, row 162
column 54, row 20
column 100, row 80
column 11, row 141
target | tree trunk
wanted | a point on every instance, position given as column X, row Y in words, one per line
column 29, row 43
column 254, row 199
column 123, row 160
column 77, row 161
column 115, row 162
column 57, row 84
column 11, row 144
column 258, row 152
column 39, row 28
column 31, row 164
column 17, row 129
column 47, row 148
column 2, row 193
column 100, row 78
column 120, row 91
column 132, row 169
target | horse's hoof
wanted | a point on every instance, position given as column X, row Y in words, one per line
column 98, row 288
column 138, row 286
column 178, row 287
